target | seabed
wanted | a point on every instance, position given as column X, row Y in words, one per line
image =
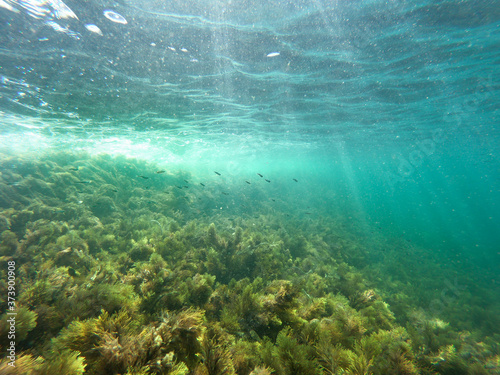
column 124, row 268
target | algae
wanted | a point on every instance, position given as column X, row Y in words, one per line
column 119, row 274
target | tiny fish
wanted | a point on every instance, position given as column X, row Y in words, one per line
column 260, row 175
column 225, row 193
column 83, row 182
column 307, row 213
column 186, row 181
column 274, row 200
column 160, row 171
column 73, row 168
column 295, row 180
column 144, row 177
column 217, row 173
column 267, row 180
column 248, row 182
column 179, row 187
column 185, row 186
column 202, row 184
column 71, row 272
column 273, row 54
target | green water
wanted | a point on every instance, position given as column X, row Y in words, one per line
column 301, row 187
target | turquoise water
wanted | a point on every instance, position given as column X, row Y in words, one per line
column 382, row 115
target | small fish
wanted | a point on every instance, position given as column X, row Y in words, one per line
column 225, row 193
column 161, row 171
column 73, row 168
column 179, row 187
column 217, row 173
column 144, row 177
column 83, row 182
column 260, row 175
column 14, row 183
column 273, row 54
column 202, row 184
column 307, row 213
column 274, row 200
column 248, row 182
column 186, row 181
column 71, row 272
column 185, row 186
column 267, row 180
column 295, row 179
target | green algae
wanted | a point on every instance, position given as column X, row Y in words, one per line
column 126, row 275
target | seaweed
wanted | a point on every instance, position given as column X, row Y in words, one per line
column 126, row 275
column 294, row 358
column 25, row 321
column 66, row 362
column 216, row 357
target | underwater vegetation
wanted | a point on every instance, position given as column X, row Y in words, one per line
column 120, row 271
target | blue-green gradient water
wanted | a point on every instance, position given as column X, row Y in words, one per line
column 385, row 112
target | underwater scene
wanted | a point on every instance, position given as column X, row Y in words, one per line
column 236, row 187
